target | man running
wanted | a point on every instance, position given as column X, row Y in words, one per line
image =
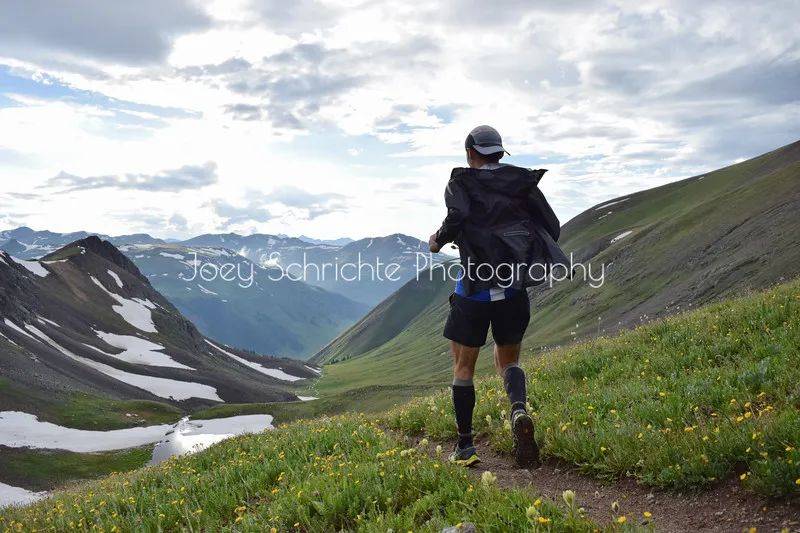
column 498, row 218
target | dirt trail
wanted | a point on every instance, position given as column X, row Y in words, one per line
column 724, row 507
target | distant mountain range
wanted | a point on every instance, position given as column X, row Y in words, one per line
column 255, row 307
column 335, row 242
column 271, row 250
column 85, row 320
column 664, row 250
column 268, row 250
column 285, row 317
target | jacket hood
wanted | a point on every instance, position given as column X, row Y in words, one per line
column 507, row 179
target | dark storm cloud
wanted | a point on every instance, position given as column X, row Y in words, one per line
column 187, row 177
column 133, row 33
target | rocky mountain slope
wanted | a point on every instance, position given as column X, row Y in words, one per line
column 85, row 320
column 281, row 317
column 291, row 316
column 661, row 251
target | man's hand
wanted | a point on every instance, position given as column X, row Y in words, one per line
column 433, row 245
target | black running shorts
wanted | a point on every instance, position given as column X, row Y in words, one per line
column 469, row 320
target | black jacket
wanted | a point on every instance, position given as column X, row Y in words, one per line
column 500, row 217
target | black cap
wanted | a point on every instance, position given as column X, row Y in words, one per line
column 485, row 140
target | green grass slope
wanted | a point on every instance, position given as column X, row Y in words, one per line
column 333, row 474
column 691, row 242
column 681, row 402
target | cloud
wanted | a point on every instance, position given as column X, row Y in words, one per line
column 245, row 111
column 294, row 84
column 775, row 81
column 132, row 33
column 229, row 66
column 187, row 177
column 288, row 200
column 23, row 196
column 316, row 204
column 611, row 96
column 297, row 16
column 231, row 214
column 289, row 88
column 178, row 222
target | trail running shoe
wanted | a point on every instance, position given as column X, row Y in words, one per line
column 464, row 457
column 526, row 451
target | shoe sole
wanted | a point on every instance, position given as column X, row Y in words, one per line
column 526, row 451
column 470, row 461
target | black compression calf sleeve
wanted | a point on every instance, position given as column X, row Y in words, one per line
column 464, row 405
column 514, row 381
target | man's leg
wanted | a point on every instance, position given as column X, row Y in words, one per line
column 506, row 362
column 464, row 358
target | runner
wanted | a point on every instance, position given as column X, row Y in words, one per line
column 500, row 221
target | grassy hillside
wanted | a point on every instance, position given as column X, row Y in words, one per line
column 679, row 403
column 682, row 402
column 691, row 242
column 331, row 474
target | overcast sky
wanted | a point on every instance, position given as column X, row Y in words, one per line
column 344, row 118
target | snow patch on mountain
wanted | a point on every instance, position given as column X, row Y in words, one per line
column 274, row 372
column 34, row 267
column 621, row 236
column 18, row 329
column 18, row 430
column 609, row 204
column 190, row 436
column 10, row 495
column 44, row 320
column 138, row 351
column 163, row 387
column 135, row 312
column 206, row 291
column 115, row 277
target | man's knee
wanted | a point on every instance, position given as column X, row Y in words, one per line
column 464, row 358
column 506, row 356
